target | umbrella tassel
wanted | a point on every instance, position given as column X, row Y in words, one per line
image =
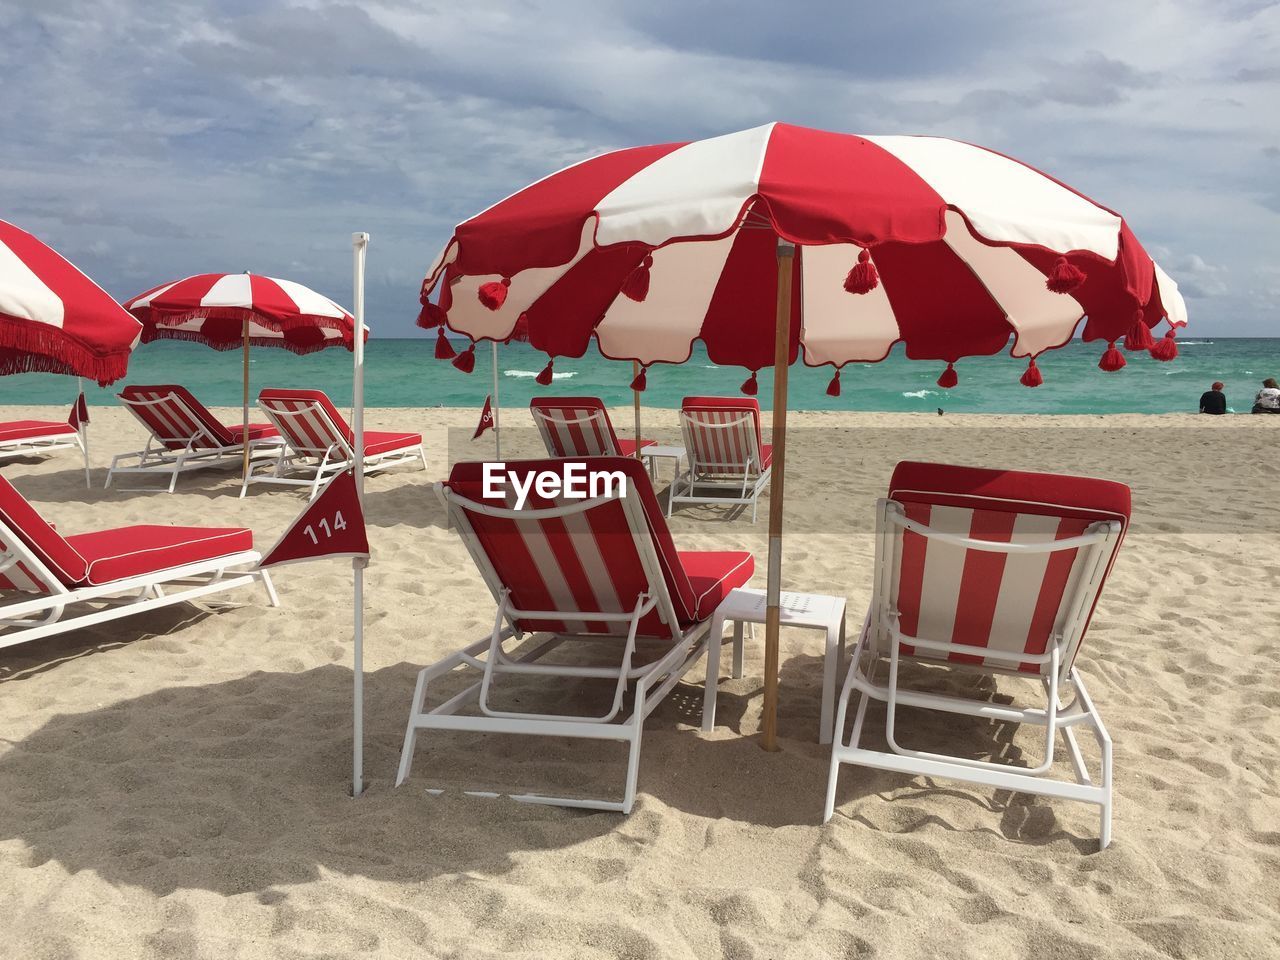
column 1031, row 377
column 466, row 360
column 949, row 377
column 833, row 388
column 641, row 380
column 444, row 350
column 430, row 315
column 636, row 286
column 546, row 376
column 864, row 277
column 1139, row 335
column 494, row 293
column 1112, row 360
column 1166, row 348
column 749, row 386
column 1064, row 277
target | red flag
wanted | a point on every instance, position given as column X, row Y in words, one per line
column 332, row 525
column 486, row 418
column 79, row 413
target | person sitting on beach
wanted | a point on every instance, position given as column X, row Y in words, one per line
column 1268, row 399
column 1213, row 400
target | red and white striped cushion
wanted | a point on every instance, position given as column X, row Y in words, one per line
column 308, row 433
column 720, row 448
column 178, row 418
column 1013, row 603
column 593, row 438
column 589, row 562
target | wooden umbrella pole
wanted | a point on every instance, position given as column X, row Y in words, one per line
column 635, row 399
column 244, row 437
column 773, row 612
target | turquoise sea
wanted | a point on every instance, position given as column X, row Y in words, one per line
column 405, row 373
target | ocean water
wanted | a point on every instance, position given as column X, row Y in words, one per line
column 405, row 373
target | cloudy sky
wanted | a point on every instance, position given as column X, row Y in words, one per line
column 149, row 139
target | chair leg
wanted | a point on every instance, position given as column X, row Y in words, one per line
column 1104, row 833
column 633, row 755
column 270, row 588
column 411, row 732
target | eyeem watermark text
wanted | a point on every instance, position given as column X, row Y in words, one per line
column 575, row 482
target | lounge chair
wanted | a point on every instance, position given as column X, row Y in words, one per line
column 991, row 571
column 579, row 427
column 25, row 438
column 585, row 572
column 52, row 584
column 319, row 444
column 183, row 435
column 727, row 460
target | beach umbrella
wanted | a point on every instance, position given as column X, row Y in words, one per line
column 782, row 243
column 54, row 319
column 227, row 311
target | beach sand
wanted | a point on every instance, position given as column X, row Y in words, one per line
column 174, row 785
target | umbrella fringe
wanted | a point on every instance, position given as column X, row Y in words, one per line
column 39, row 348
column 158, row 317
column 152, row 334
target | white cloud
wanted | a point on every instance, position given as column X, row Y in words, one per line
column 155, row 140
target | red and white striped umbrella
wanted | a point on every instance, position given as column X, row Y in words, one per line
column 212, row 308
column 54, row 319
column 950, row 248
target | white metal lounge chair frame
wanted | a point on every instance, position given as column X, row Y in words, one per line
column 1097, row 546
column 321, row 465
column 653, row 681
column 750, row 479
column 36, row 446
column 157, row 459
column 22, row 621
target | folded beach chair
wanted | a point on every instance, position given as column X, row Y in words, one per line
column 51, row 584
column 727, row 461
column 997, row 572
column 25, row 438
column 184, row 435
column 599, row 572
column 319, row 444
column 579, row 427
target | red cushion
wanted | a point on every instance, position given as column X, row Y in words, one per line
column 1039, row 493
column 379, row 441
column 628, row 447
column 766, row 454
column 25, row 429
column 257, row 431
column 46, row 543
column 132, row 551
column 712, row 574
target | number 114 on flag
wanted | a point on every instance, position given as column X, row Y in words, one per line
column 332, row 525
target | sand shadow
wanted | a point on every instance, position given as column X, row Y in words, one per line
column 241, row 787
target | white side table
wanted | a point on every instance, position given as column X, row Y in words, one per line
column 658, row 451
column 797, row 610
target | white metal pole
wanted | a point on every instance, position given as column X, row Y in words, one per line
column 497, row 406
column 359, row 242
